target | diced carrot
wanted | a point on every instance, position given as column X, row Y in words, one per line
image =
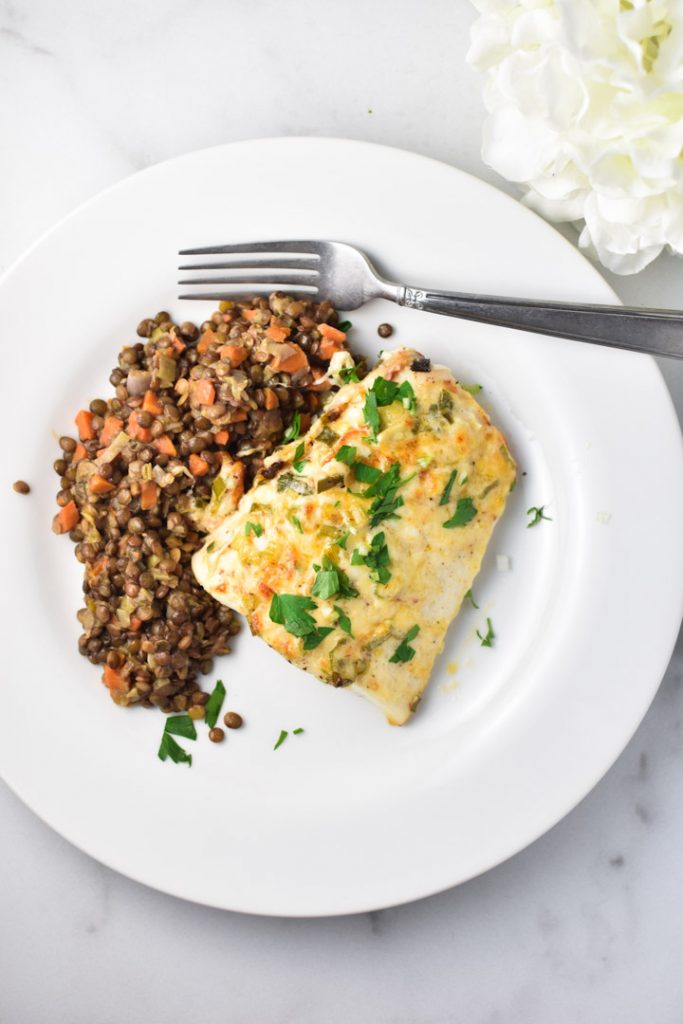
column 113, row 679
column 135, row 623
column 152, row 404
column 178, row 344
column 328, row 348
column 277, row 333
column 165, row 445
column 206, row 341
column 99, row 566
column 79, row 453
column 86, row 431
column 136, row 431
column 271, row 401
column 250, row 314
column 112, row 426
column 198, row 465
column 98, row 484
column 237, row 415
column 149, row 493
column 291, row 360
column 332, row 333
column 222, row 437
column 66, row 518
column 203, row 391
column 235, row 353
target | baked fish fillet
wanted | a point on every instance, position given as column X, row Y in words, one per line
column 354, row 558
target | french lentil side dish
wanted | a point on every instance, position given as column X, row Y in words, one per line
column 194, row 414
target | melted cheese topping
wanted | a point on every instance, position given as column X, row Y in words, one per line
column 320, row 512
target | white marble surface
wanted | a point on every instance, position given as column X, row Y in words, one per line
column 586, row 924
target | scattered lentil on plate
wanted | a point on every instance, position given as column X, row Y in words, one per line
column 195, row 411
column 216, row 735
column 233, row 720
column 21, row 487
column 385, row 330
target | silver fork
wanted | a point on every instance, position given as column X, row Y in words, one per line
column 344, row 275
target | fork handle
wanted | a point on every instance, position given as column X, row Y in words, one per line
column 656, row 331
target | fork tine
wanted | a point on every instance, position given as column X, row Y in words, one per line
column 301, row 264
column 258, row 278
column 253, row 247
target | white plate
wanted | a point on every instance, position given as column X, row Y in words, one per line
column 353, row 814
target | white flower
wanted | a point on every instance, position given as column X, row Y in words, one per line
column 585, row 101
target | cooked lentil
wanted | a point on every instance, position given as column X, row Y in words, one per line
column 216, row 735
column 137, row 485
column 232, row 720
column 21, row 487
column 385, row 330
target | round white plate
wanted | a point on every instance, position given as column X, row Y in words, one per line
column 352, row 814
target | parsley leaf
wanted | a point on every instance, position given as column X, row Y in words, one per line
column 330, row 580
column 169, row 748
column 464, row 513
column 473, row 389
column 371, row 413
column 346, row 454
column 293, row 430
column 297, row 732
column 293, row 519
column 469, row 596
column 404, row 652
column 364, row 473
column 341, row 541
column 291, row 611
column 312, row 640
column 487, row 641
column 253, row 528
column 181, row 725
column 445, row 497
column 343, row 621
column 212, row 708
column 377, row 559
column 349, row 374
column 384, row 490
column 537, row 514
column 298, row 462
column 388, row 391
column 344, row 326
column 281, row 738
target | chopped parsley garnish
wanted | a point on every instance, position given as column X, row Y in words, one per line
column 371, row 413
column 293, row 430
column 404, row 652
column 316, row 637
column 537, row 514
column 212, row 708
column 281, row 738
column 254, row 528
column 331, row 581
column 487, row 640
column 364, row 473
column 343, row 621
column 473, row 389
column 296, row 522
column 341, row 541
column 298, row 462
column 291, row 611
column 345, row 326
column 180, row 725
column 464, row 513
column 384, row 491
column 346, row 454
column 349, row 374
column 388, row 391
column 446, row 496
column 470, row 597
column 169, row 748
column 297, row 732
column 377, row 559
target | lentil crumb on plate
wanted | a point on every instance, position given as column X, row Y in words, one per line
column 194, row 413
